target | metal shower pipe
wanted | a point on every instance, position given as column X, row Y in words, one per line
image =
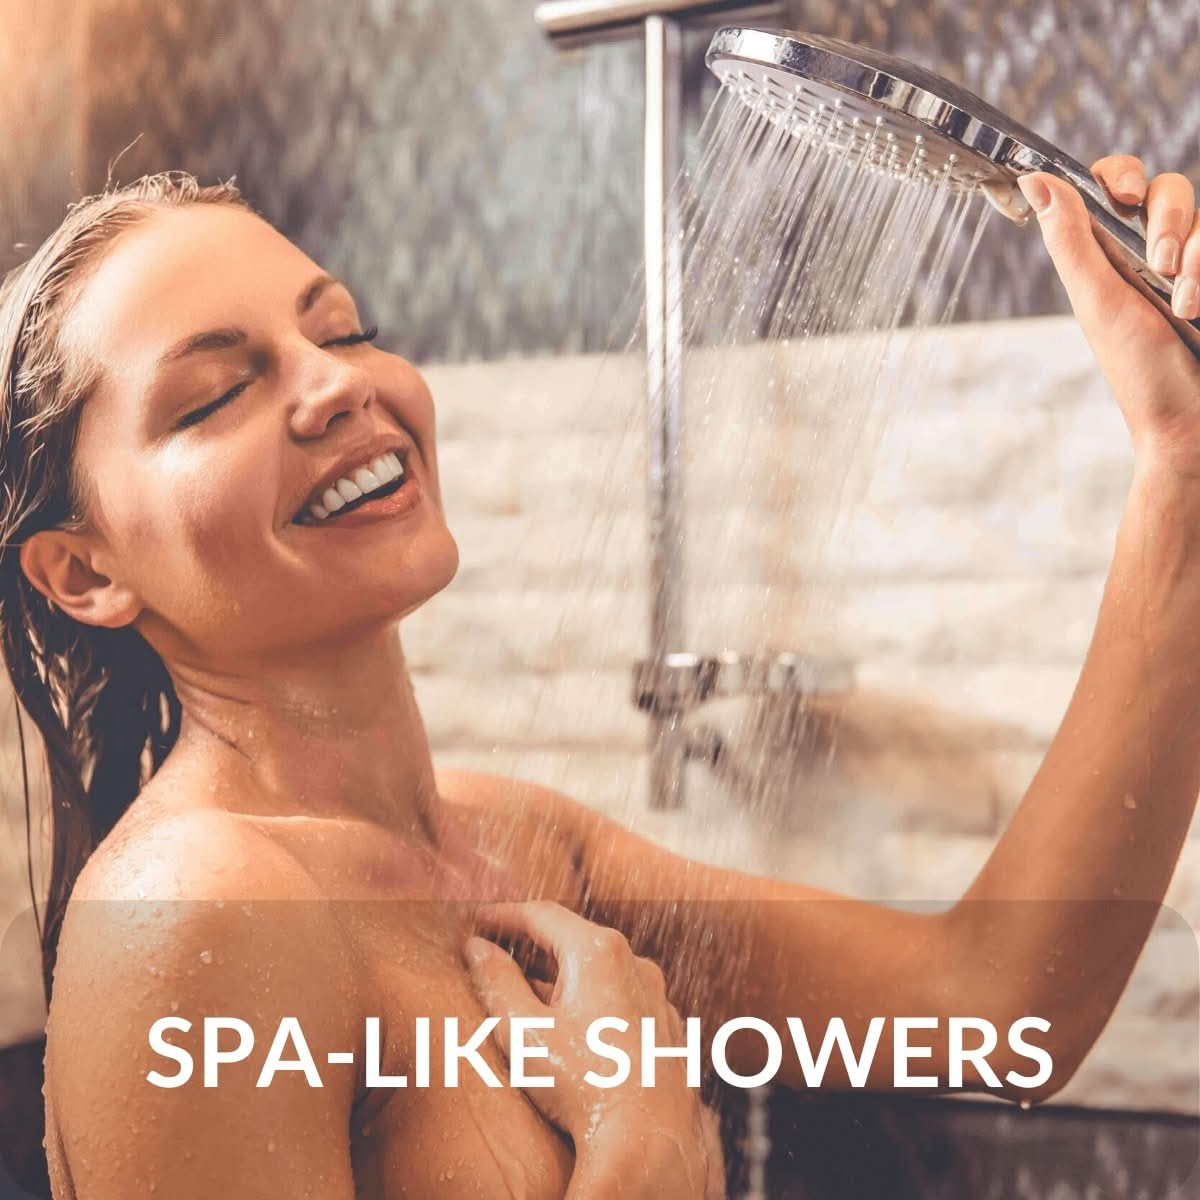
column 572, row 23
column 664, row 386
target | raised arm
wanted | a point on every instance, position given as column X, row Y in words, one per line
column 1055, row 920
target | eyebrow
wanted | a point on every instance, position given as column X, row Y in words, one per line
column 312, row 293
column 225, row 339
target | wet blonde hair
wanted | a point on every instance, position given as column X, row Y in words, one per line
column 101, row 698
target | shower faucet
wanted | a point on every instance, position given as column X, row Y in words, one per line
column 669, row 688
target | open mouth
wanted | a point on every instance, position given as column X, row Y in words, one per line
column 380, row 477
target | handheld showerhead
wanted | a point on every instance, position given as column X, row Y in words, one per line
column 936, row 127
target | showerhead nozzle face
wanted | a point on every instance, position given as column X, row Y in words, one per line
column 902, row 117
column 881, row 101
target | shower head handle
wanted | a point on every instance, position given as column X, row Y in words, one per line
column 960, row 137
column 1121, row 233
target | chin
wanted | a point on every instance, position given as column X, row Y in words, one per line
column 438, row 566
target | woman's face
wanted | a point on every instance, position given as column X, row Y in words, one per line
column 232, row 395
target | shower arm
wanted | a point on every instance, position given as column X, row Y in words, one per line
column 664, row 385
column 570, row 23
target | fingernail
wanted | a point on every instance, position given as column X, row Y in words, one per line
column 1185, row 300
column 1132, row 183
column 476, row 950
column 1034, row 189
column 1165, row 257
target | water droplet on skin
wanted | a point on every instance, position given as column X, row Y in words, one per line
column 1128, row 800
column 206, row 956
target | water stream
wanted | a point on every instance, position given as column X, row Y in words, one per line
column 812, row 246
column 808, row 241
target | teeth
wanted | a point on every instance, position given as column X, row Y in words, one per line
column 377, row 473
column 386, row 468
column 366, row 479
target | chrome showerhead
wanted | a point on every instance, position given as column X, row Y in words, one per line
column 933, row 127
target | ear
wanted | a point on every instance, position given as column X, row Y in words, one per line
column 59, row 564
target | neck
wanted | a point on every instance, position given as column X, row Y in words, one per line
column 336, row 735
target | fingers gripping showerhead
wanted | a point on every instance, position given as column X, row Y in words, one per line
column 905, row 119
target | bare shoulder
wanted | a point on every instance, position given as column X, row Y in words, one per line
column 172, row 892
column 174, row 852
column 477, row 790
column 541, row 834
column 616, row 865
column 173, row 888
column 181, row 916
column 531, row 809
column 532, row 823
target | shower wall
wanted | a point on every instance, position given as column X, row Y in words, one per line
column 482, row 191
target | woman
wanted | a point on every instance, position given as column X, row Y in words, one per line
column 188, row 402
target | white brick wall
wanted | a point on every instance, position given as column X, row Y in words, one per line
column 962, row 580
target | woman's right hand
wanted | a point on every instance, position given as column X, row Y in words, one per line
column 629, row 1140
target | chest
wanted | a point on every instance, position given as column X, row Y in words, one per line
column 472, row 1138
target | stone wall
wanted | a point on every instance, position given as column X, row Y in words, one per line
column 961, row 580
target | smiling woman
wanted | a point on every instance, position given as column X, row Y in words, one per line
column 219, row 498
column 246, row 419
column 247, row 822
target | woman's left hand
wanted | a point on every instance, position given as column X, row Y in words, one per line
column 1153, row 374
column 659, row 1141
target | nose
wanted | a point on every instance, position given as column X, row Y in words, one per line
column 327, row 388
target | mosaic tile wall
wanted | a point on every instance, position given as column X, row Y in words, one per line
column 482, row 190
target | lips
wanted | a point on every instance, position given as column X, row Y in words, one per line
column 382, row 473
column 357, row 475
column 392, row 501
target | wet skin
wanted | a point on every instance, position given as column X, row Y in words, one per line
column 396, row 917
column 302, row 772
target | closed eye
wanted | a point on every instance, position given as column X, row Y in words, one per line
column 354, row 339
column 197, row 415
